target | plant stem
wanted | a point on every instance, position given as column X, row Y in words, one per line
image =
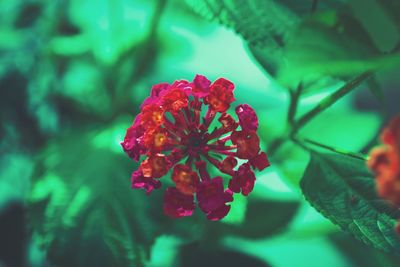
column 302, row 141
column 294, row 100
column 295, row 126
column 330, row 100
column 277, row 143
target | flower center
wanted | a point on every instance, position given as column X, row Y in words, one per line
column 195, row 142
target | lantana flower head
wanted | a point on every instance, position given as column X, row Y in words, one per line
column 384, row 161
column 175, row 131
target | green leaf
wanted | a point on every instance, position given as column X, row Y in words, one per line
column 372, row 15
column 282, row 36
column 263, row 218
column 13, row 244
column 264, row 24
column 82, row 204
column 363, row 126
column 331, row 44
column 362, row 255
column 391, row 7
column 111, row 29
column 376, row 89
column 261, row 22
column 343, row 190
column 196, row 255
column 83, row 83
column 15, row 175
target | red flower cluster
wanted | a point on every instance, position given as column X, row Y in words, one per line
column 174, row 134
column 384, row 161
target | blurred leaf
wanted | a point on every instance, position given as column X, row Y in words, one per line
column 364, row 126
column 286, row 250
column 13, row 236
column 343, row 190
column 268, row 27
column 331, row 44
column 16, row 171
column 112, row 27
column 362, row 255
column 381, row 27
column 28, row 15
column 376, row 89
column 43, row 81
column 82, row 205
column 282, row 36
column 165, row 251
column 291, row 160
column 392, row 8
column 238, row 210
column 263, row 218
column 264, row 24
column 18, row 126
column 194, row 255
column 83, row 83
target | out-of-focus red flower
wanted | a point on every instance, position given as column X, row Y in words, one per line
column 172, row 134
column 384, row 161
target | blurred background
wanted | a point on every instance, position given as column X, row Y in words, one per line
column 74, row 72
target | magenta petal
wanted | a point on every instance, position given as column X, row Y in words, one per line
column 176, row 204
column 156, row 91
column 235, row 185
column 132, row 144
column 176, row 124
column 260, row 161
column 139, row 181
column 158, row 88
column 248, row 186
column 201, row 86
column 219, row 213
column 247, row 117
column 212, row 198
column 210, row 194
column 243, row 180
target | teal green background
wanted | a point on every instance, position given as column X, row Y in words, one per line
column 72, row 77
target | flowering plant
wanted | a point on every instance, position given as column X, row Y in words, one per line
column 384, row 161
column 172, row 134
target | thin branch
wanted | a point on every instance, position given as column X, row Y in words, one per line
column 331, row 99
column 303, row 141
column 294, row 100
column 294, row 126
